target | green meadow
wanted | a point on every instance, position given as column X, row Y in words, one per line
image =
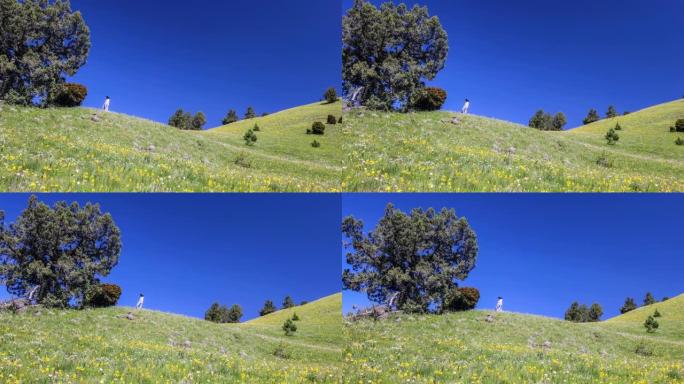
column 80, row 149
column 429, row 151
column 102, row 346
column 517, row 348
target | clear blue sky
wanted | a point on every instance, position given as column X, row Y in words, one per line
column 185, row 251
column 153, row 57
column 514, row 57
column 543, row 251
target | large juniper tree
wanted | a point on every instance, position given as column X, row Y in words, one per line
column 41, row 43
column 390, row 51
column 63, row 250
column 416, row 258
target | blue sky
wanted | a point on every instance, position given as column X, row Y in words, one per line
column 185, row 251
column 543, row 251
column 514, row 57
column 153, row 57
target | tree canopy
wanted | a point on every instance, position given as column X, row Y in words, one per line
column 390, row 51
column 416, row 258
column 41, row 43
column 63, row 250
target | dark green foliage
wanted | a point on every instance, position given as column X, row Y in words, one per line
column 250, row 137
column 41, row 43
column 629, row 305
column 269, row 307
column 281, row 352
column 665, row 298
column 231, row 117
column 264, row 114
column 315, row 144
column 418, row 256
column 461, row 299
column 340, row 120
column 429, row 99
column 656, row 313
column 317, row 128
column 330, row 95
column 250, row 114
column 592, row 116
column 673, row 129
column 256, row 128
column 612, row 137
column 289, row 327
column 102, row 295
column 186, row 121
column 679, row 125
column 384, row 51
column 651, row 324
column 234, row 313
column 216, row 313
column 68, row 95
column 618, row 127
column 649, row 299
column 63, row 250
column 611, row 112
column 331, row 119
column 580, row 313
column 288, row 302
column 295, row 317
column 545, row 122
column 304, row 302
column 595, row 312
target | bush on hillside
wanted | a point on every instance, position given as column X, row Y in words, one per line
column 330, row 95
column 340, row 120
column 318, row 128
column 315, row 144
column 592, row 116
column 679, row 141
column 256, row 128
column 629, row 305
column 604, row 161
column 295, row 317
column 102, row 295
column 649, row 299
column 651, row 324
column 331, row 120
column 612, row 137
column 618, row 127
column 250, row 137
column 462, row 299
column 656, row 313
column 430, row 99
column 68, row 95
column 612, row 112
column 289, row 327
column 679, row 125
column 281, row 352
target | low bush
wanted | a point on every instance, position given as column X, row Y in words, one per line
column 332, row 119
column 330, row 95
column 289, row 327
column 256, row 128
column 102, row 295
column 318, row 128
column 250, row 137
column 68, row 95
column 651, row 324
column 315, row 144
column 430, row 99
column 340, row 120
column 462, row 299
column 604, row 161
column 679, row 125
column 281, row 352
column 612, row 137
column 679, row 141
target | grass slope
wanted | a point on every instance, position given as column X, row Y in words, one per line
column 99, row 346
column 425, row 152
column 671, row 322
column 515, row 348
column 64, row 150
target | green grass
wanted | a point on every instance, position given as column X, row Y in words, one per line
column 97, row 346
column 426, row 152
column 464, row 348
column 64, row 150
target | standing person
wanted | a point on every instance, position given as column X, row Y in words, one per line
column 105, row 106
column 466, row 107
column 499, row 304
column 141, row 301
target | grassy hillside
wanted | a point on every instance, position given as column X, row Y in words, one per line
column 671, row 322
column 66, row 150
column 94, row 346
column 426, row 152
column 515, row 348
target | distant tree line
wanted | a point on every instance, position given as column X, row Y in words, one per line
column 219, row 313
column 545, row 122
column 581, row 313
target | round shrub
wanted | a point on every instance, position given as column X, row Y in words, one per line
column 679, row 125
column 330, row 95
column 332, row 119
column 315, row 144
column 318, row 128
column 69, row 95
column 430, row 99
column 103, row 295
column 462, row 299
column 679, row 141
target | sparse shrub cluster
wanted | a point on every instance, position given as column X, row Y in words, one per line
column 332, row 120
column 317, row 128
column 581, row 313
column 462, row 299
column 68, row 95
column 545, row 122
column 429, row 99
column 102, row 295
column 186, row 121
column 268, row 307
column 629, row 305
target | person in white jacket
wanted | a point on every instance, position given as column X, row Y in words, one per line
column 105, row 106
column 466, row 107
column 499, row 304
column 141, row 301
